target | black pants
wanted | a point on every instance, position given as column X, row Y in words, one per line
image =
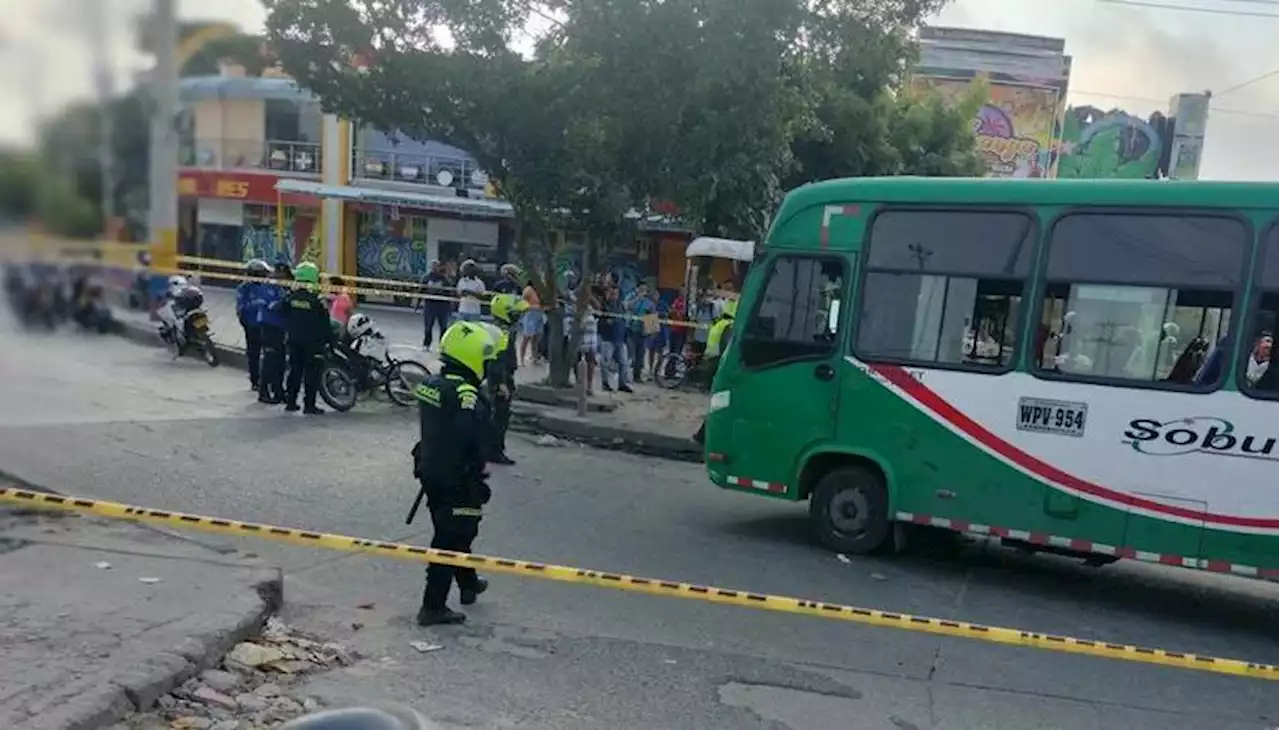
column 306, row 360
column 501, row 420
column 635, row 343
column 253, row 352
column 434, row 314
column 454, row 533
column 271, row 376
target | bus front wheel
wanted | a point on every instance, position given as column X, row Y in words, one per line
column 849, row 510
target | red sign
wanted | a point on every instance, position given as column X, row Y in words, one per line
column 245, row 186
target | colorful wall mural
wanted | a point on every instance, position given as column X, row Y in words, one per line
column 390, row 247
column 262, row 242
column 1112, row 144
column 1015, row 128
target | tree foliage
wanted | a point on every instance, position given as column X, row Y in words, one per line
column 716, row 105
column 29, row 193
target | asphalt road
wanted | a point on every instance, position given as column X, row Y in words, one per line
column 114, row 420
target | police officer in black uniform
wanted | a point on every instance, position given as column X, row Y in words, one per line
column 507, row 309
column 307, row 322
column 449, row 460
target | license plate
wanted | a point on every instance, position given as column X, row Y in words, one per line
column 1061, row 418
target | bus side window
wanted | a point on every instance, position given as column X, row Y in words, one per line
column 1139, row 297
column 793, row 319
column 945, row 287
column 1258, row 372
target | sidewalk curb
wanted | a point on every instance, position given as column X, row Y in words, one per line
column 611, row 438
column 106, row 700
column 526, row 419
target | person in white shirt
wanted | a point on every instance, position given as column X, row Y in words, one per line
column 470, row 291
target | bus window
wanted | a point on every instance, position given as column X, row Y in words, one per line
column 1139, row 298
column 945, row 287
column 1257, row 376
column 793, row 319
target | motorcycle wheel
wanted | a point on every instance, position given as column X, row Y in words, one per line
column 338, row 387
column 402, row 378
column 210, row 353
column 671, row 371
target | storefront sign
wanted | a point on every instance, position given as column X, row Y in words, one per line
column 246, row 187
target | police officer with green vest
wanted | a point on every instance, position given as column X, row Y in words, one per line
column 449, row 461
column 716, row 338
column 507, row 309
column 307, row 323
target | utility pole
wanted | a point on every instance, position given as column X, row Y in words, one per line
column 163, row 198
column 104, row 78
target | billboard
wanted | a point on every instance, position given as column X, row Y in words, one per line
column 1019, row 125
column 1015, row 127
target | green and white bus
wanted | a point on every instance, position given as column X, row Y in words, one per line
column 1081, row 367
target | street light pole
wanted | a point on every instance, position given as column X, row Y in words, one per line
column 163, row 181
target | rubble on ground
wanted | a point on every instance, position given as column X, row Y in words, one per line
column 250, row 687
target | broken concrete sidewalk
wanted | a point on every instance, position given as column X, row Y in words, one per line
column 98, row 619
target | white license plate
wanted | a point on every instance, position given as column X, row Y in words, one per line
column 1061, row 418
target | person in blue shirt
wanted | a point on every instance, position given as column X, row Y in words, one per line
column 639, row 305
column 249, row 313
column 271, row 333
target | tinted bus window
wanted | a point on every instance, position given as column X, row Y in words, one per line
column 1257, row 376
column 797, row 315
column 945, row 287
column 1142, row 298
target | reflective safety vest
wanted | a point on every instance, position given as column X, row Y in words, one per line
column 716, row 335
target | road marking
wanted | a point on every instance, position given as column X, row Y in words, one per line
column 653, row 586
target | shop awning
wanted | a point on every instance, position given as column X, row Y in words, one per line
column 442, row 203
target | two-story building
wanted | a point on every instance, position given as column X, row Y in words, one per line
column 265, row 173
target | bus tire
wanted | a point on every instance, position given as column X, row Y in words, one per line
column 849, row 510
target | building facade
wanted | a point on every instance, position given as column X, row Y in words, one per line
column 1027, row 129
column 266, row 174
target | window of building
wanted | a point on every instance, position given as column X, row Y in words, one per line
column 945, row 287
column 1257, row 376
column 282, row 122
column 797, row 315
column 1140, row 298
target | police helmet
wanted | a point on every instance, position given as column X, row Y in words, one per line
column 498, row 336
column 307, row 273
column 258, row 267
column 507, row 307
column 363, row 718
column 468, row 345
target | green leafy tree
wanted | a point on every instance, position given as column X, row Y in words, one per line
column 602, row 116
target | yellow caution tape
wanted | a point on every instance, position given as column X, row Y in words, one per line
column 652, row 586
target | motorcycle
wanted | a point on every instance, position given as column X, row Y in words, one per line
column 194, row 336
column 91, row 311
column 350, row 371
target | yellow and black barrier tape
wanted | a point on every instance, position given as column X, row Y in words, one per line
column 653, row 586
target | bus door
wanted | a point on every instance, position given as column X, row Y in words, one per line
column 784, row 384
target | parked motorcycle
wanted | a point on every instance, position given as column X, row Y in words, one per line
column 192, row 334
column 91, row 311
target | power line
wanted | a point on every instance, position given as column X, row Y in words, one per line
column 1126, row 97
column 1250, row 82
column 1192, row 9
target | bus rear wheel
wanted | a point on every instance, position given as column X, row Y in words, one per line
column 849, row 510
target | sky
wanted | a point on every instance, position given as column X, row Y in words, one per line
column 1124, row 56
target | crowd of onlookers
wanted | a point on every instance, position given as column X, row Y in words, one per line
column 625, row 334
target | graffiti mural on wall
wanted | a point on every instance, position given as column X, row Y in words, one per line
column 383, row 255
column 1114, row 144
column 261, row 242
column 1014, row 128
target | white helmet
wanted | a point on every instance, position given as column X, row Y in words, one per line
column 177, row 282
column 359, row 325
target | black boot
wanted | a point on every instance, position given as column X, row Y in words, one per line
column 501, row 459
column 439, row 617
column 469, row 595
